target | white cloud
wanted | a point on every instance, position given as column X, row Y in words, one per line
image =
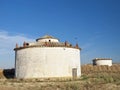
column 7, row 44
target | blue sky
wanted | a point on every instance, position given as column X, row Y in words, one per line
column 94, row 24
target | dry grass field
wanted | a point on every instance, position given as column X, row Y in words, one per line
column 87, row 69
column 93, row 78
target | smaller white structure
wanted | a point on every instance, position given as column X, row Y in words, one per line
column 102, row 61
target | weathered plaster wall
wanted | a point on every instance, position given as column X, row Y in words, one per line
column 43, row 62
column 47, row 40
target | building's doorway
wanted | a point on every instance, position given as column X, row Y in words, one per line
column 74, row 72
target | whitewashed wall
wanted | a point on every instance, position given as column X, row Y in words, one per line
column 104, row 62
column 42, row 62
column 47, row 40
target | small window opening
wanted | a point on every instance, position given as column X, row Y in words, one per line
column 27, row 44
column 49, row 40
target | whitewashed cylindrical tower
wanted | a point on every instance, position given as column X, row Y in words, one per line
column 46, row 58
column 102, row 61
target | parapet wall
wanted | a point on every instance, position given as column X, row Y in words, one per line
column 46, row 44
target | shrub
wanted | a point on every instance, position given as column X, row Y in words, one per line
column 84, row 77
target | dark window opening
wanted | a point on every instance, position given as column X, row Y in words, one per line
column 49, row 40
column 27, row 44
